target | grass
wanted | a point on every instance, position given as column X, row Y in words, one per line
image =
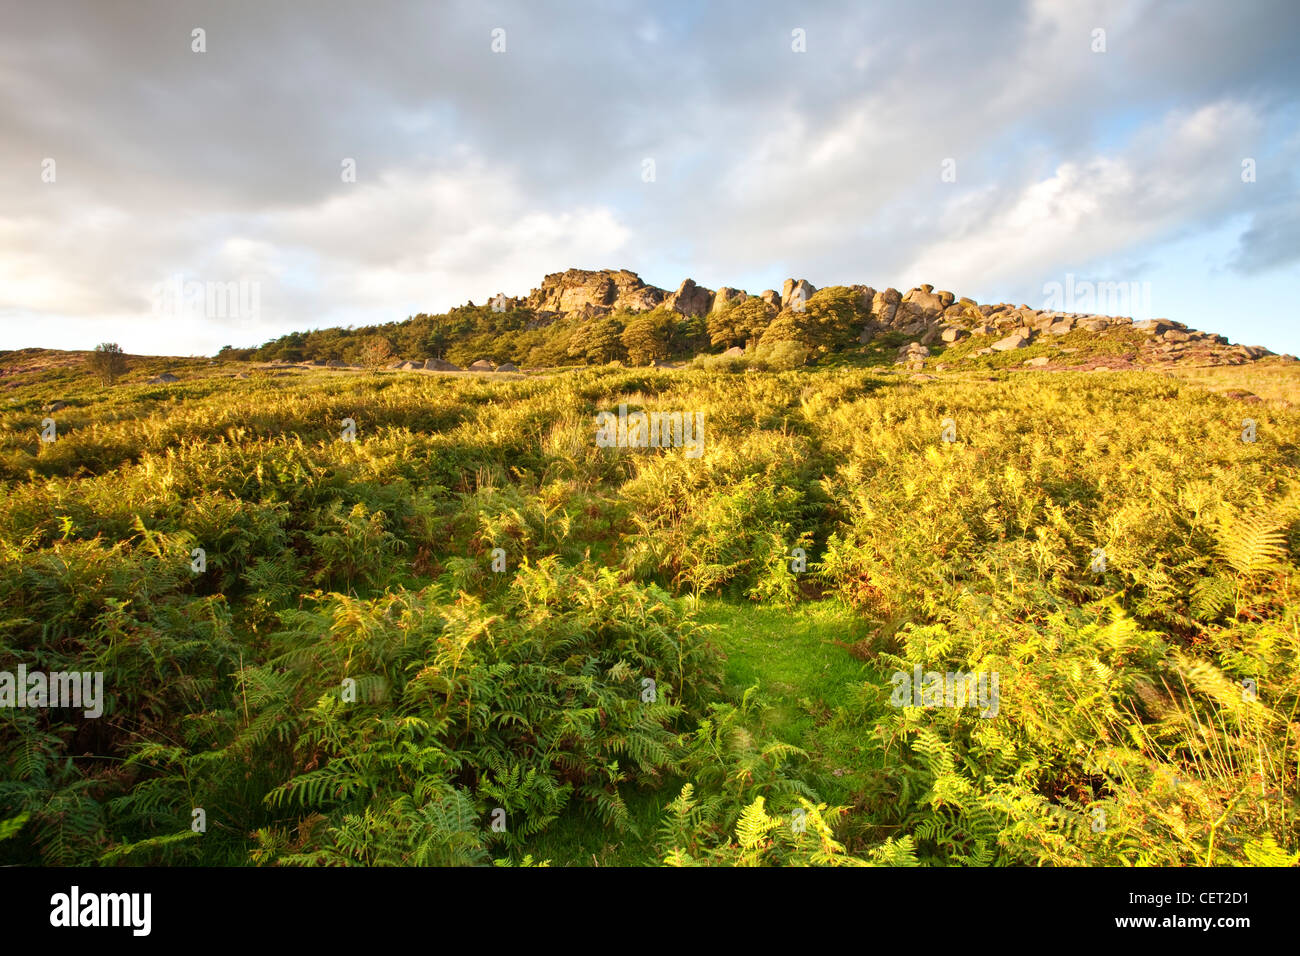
column 370, row 559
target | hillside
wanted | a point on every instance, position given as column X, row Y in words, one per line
column 466, row 631
column 593, row 317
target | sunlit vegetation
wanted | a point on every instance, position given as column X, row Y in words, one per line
column 349, row 680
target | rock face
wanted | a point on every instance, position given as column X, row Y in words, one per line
column 596, row 292
column 796, row 290
column 727, row 295
column 690, row 299
column 926, row 316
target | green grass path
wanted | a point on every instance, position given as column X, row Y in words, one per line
column 802, row 675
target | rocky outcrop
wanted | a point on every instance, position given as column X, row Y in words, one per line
column 595, row 292
column 927, row 316
column 795, row 291
column 726, row 296
column 690, row 299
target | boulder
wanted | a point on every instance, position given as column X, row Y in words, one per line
column 1015, row 340
column 166, row 378
column 951, row 335
column 691, row 299
column 56, row 407
column 727, row 295
column 803, row 287
column 734, row 352
column 440, row 365
column 884, row 306
column 482, row 365
column 1153, row 326
column 771, row 297
column 927, row 301
column 1037, row 362
column 1061, row 327
column 508, row 367
column 598, row 292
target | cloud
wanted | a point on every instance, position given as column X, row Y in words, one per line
column 481, row 172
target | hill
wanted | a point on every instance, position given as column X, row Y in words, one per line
column 393, row 618
column 593, row 317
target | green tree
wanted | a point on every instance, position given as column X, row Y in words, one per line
column 834, row 317
column 108, row 361
column 740, row 324
column 599, row 341
column 648, row 337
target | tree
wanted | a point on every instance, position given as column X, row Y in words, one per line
column 598, row 341
column 376, row 352
column 108, row 361
column 647, row 337
column 789, row 326
column 741, row 323
column 835, row 317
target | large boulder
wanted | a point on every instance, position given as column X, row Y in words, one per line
column 734, row 352
column 771, row 297
column 691, row 299
column 796, row 289
column 596, row 292
column 482, row 365
column 441, row 365
column 1016, row 340
column 1153, row 326
column 884, row 306
column 926, row 300
column 166, row 378
column 508, row 367
column 727, row 295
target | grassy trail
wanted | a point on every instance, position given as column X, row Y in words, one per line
column 798, row 659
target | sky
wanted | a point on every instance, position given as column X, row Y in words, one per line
column 298, row 165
